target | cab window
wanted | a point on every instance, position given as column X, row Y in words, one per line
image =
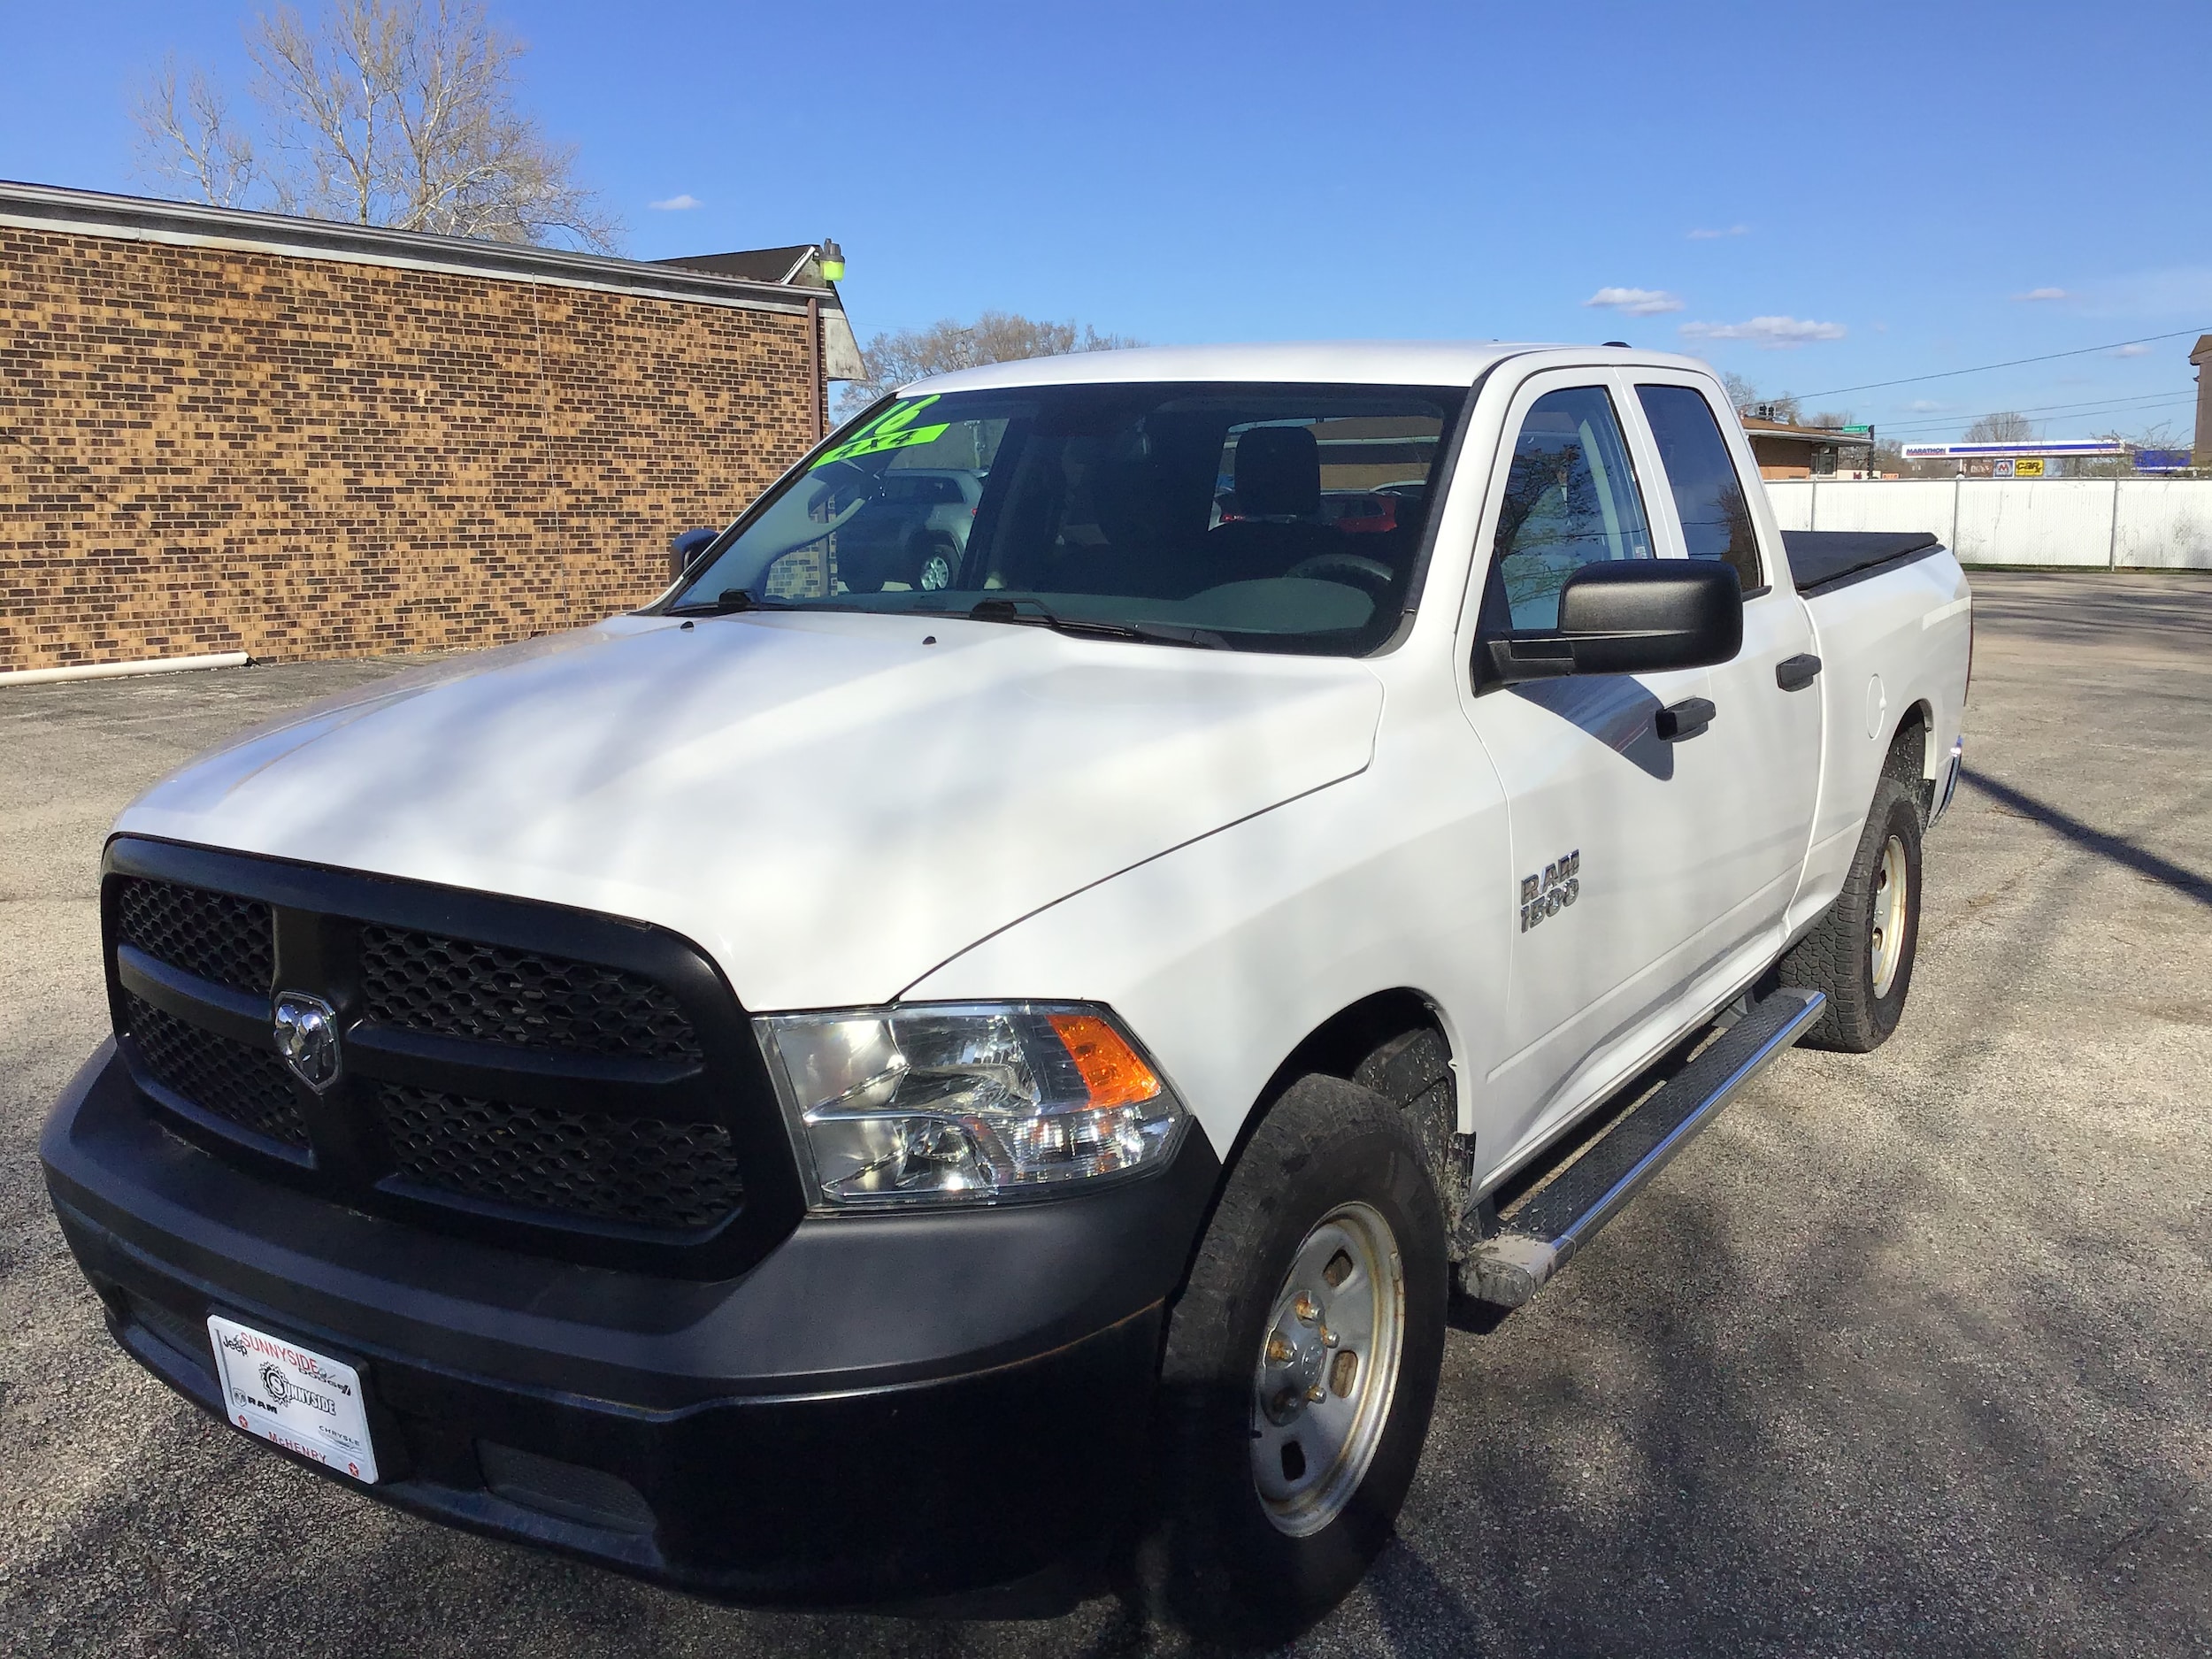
column 1708, row 494
column 1570, row 499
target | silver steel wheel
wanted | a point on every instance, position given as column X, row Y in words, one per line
column 1328, row 1370
column 1888, row 940
column 936, row 572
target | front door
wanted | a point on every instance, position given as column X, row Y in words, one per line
column 1613, row 830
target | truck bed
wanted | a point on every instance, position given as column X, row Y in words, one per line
column 1825, row 559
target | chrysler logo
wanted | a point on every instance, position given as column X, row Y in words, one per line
column 307, row 1037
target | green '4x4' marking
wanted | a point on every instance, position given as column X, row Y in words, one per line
column 893, row 429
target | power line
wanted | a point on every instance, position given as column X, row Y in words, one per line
column 2103, row 405
column 1908, row 429
column 1945, row 374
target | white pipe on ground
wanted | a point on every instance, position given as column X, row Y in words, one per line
column 113, row 670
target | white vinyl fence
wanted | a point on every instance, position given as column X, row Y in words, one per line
column 2110, row 523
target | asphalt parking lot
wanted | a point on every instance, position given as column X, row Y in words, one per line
column 1907, row 1354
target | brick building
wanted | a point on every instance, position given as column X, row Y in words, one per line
column 223, row 431
column 1786, row 449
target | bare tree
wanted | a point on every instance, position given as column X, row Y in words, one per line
column 2003, row 427
column 398, row 113
column 1740, row 391
column 894, row 359
column 186, row 137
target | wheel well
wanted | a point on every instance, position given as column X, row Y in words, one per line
column 1394, row 1042
column 1339, row 1043
column 1909, row 759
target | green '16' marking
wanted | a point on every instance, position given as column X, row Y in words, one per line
column 893, row 429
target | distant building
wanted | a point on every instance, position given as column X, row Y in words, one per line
column 1786, row 449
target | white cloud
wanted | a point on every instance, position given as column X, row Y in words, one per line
column 1925, row 406
column 1714, row 235
column 2044, row 294
column 2136, row 351
column 676, row 204
column 1635, row 301
column 1768, row 332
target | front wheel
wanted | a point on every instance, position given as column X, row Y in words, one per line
column 1301, row 1367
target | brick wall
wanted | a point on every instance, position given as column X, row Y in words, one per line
column 208, row 449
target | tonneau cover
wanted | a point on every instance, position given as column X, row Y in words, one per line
column 1822, row 558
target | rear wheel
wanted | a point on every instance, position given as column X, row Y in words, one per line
column 1861, row 953
column 1301, row 1367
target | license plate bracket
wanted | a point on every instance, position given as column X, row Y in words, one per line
column 294, row 1397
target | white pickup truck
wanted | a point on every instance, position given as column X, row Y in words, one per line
column 942, row 1094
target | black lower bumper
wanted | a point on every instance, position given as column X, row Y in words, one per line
column 885, row 1409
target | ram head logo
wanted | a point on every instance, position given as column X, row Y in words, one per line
column 307, row 1037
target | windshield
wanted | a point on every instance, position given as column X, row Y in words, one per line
column 1258, row 517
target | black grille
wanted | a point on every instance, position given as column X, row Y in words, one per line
column 213, row 934
column 250, row 1087
column 638, row 1171
column 462, row 989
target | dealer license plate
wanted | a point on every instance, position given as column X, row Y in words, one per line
column 303, row 1401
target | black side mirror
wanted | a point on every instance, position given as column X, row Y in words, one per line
column 686, row 545
column 1633, row 617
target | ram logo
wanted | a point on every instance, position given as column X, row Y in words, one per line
column 1545, row 895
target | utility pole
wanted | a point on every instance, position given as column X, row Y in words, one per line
column 2200, row 451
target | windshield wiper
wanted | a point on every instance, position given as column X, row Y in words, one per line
column 730, row 601
column 1041, row 615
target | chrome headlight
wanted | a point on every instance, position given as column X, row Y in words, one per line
column 968, row 1101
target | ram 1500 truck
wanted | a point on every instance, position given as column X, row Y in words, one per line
column 937, row 1093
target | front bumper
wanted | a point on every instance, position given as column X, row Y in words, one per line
column 885, row 1410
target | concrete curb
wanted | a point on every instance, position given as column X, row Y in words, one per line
column 116, row 671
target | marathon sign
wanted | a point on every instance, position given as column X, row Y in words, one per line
column 2014, row 451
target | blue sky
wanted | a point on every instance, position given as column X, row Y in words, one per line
column 1888, row 181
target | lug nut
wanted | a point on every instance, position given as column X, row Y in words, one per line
column 1317, row 1393
column 1278, row 1348
column 1328, row 1338
column 1306, row 1308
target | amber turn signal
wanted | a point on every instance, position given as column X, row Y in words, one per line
column 1110, row 1068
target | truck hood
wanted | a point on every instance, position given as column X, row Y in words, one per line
column 826, row 804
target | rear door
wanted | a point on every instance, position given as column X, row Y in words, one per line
column 1762, row 756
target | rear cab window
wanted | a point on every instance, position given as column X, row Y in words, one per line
column 1708, row 493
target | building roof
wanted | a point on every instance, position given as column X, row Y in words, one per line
column 190, row 224
column 1790, row 431
column 754, row 265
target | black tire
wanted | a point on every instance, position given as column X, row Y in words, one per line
column 1837, row 956
column 1214, row 1561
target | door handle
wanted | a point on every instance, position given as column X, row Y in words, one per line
column 1679, row 722
column 1794, row 673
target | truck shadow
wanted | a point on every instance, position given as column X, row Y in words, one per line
column 1612, row 708
column 2118, row 848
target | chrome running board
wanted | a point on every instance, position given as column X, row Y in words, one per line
column 1541, row 1235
